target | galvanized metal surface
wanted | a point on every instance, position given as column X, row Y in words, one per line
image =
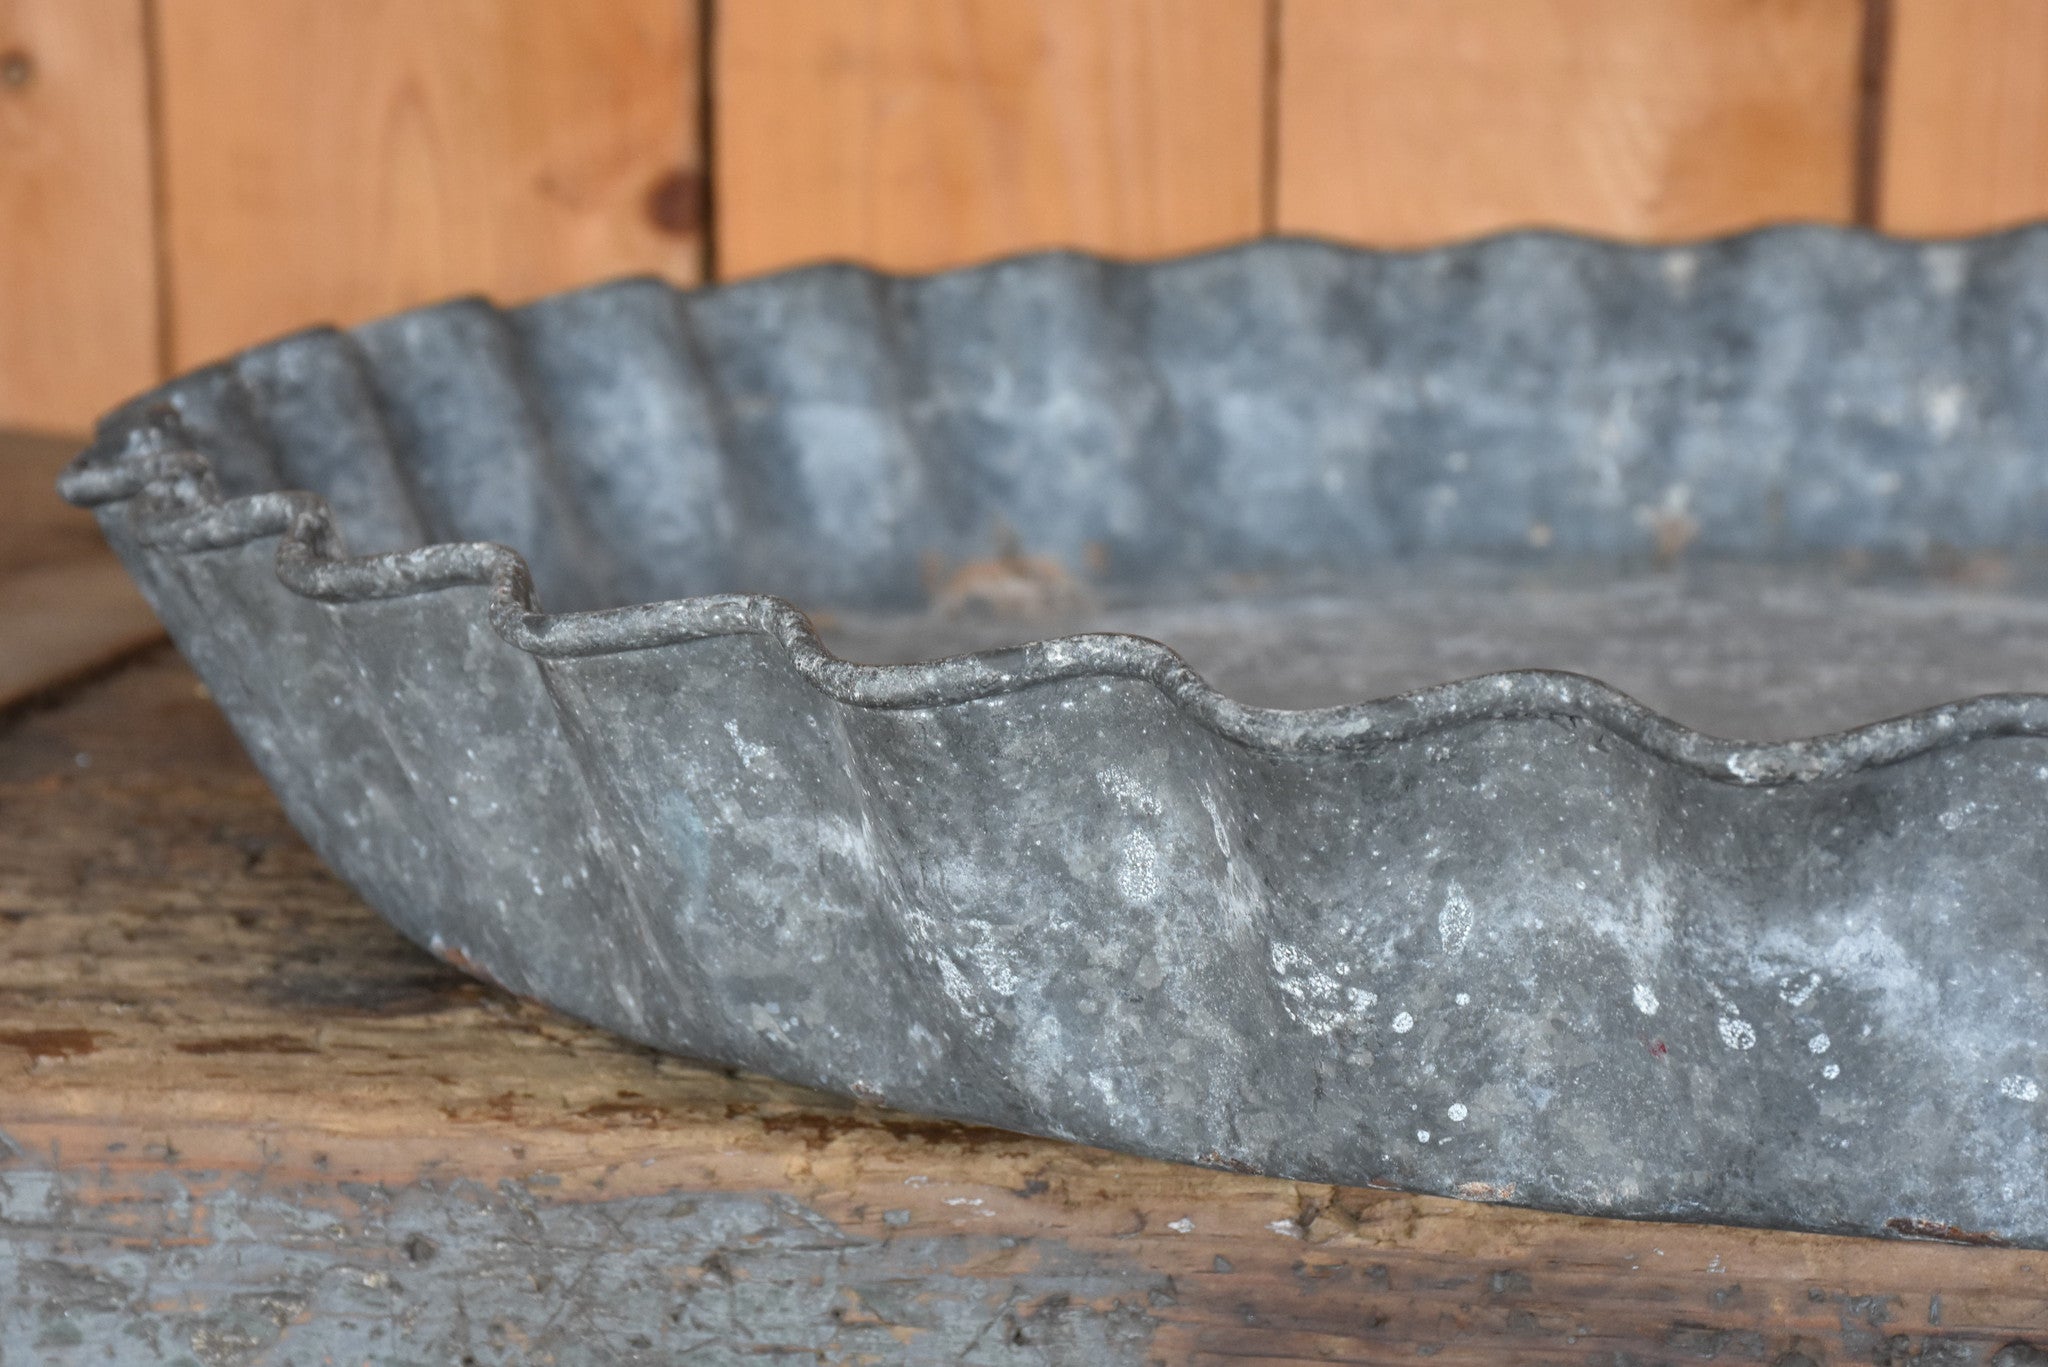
column 1517, row 938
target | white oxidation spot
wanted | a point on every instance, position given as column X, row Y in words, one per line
column 1795, row 991
column 745, row 749
column 1422, row 1136
column 1222, row 836
column 1403, row 1023
column 2019, row 1088
column 1737, row 1033
column 1946, row 267
column 1832, row 1071
column 1679, row 266
column 1182, row 1226
column 1454, row 922
column 1463, row 999
column 1122, row 785
column 1137, row 867
column 1457, row 1111
column 1943, row 407
column 1819, row 1044
column 1312, row 996
column 1645, row 999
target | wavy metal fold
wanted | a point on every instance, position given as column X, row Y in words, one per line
column 1514, row 938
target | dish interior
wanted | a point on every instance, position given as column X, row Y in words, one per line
column 1743, row 651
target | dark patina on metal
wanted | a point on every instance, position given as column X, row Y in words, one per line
column 1516, row 938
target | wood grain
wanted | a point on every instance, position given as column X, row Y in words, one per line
column 78, row 297
column 236, row 1109
column 333, row 162
column 919, row 134
column 1414, row 121
column 1966, row 116
column 66, row 605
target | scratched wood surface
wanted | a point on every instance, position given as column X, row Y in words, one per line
column 1965, row 117
column 328, row 163
column 78, row 319
column 66, row 605
column 918, row 134
column 1414, row 121
column 243, row 1122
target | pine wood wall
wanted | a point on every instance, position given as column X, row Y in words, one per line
column 179, row 178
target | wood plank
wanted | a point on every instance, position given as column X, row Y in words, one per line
column 1413, row 121
column 78, row 288
column 66, row 605
column 241, row 1120
column 919, row 134
column 334, row 162
column 1965, row 144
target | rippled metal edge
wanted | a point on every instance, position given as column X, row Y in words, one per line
column 181, row 509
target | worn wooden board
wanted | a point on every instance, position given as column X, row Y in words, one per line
column 78, row 284
column 66, row 605
column 919, row 134
column 1965, row 144
column 243, row 1122
column 331, row 162
column 1414, row 121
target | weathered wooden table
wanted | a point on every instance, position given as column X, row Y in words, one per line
column 242, row 1121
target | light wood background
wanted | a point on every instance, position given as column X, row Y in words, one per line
column 179, row 178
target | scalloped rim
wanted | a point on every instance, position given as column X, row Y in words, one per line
column 180, row 509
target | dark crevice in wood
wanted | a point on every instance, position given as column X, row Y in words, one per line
column 1269, row 112
column 159, row 190
column 707, row 136
column 1873, row 65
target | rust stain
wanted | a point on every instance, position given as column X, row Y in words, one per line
column 505, row 1106
column 1968, row 569
column 54, row 1043
column 970, row 1137
column 1948, row 1234
column 1672, row 531
column 630, row 1110
column 247, row 1044
column 1212, row 1159
column 816, row 1130
column 457, row 957
column 1009, row 583
column 1328, row 1214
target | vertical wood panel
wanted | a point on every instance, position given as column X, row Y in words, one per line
column 917, row 134
column 78, row 320
column 1966, row 116
column 330, row 161
column 1412, row 121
